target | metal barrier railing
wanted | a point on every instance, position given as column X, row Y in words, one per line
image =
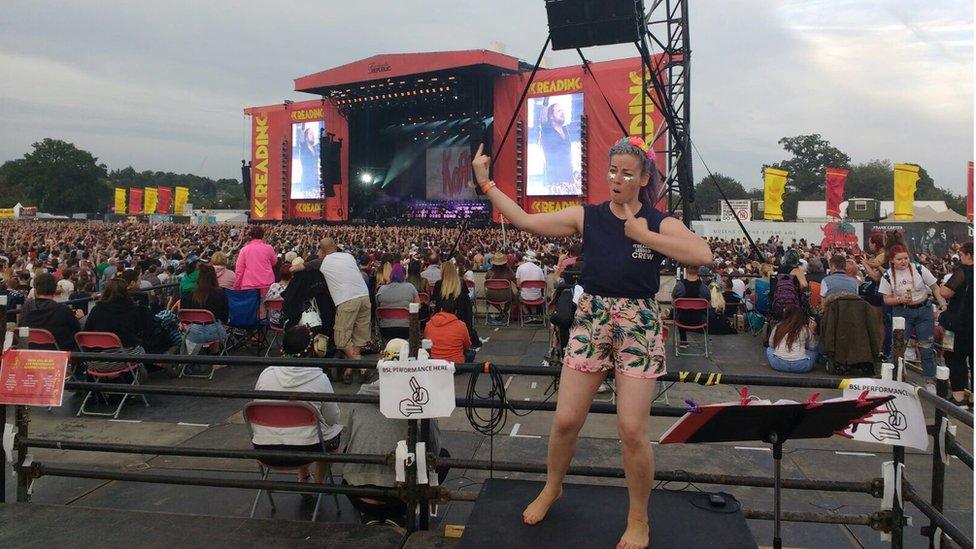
column 418, row 496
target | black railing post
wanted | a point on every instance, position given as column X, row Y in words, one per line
column 22, row 414
column 898, row 452
column 940, row 455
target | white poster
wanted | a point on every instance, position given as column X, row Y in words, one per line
column 448, row 172
column 740, row 209
column 416, row 389
column 900, row 421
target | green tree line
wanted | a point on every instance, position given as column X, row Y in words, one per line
column 60, row 178
column 809, row 157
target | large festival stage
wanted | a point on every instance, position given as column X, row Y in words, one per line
column 391, row 136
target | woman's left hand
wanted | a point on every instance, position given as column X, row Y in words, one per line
column 634, row 227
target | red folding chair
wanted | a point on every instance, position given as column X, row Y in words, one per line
column 284, row 414
column 503, row 307
column 39, row 338
column 274, row 306
column 542, row 302
column 391, row 313
column 686, row 304
column 189, row 317
column 106, row 342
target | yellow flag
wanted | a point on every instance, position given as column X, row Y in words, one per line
column 774, row 181
column 906, row 176
column 119, row 200
column 149, row 200
column 179, row 199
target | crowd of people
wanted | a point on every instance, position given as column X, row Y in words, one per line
column 338, row 282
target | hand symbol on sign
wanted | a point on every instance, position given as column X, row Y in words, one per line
column 409, row 407
column 896, row 419
column 419, row 395
column 883, row 431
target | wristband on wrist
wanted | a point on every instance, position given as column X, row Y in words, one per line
column 487, row 185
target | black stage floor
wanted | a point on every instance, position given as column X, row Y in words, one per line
column 595, row 516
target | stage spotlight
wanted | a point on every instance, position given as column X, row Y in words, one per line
column 366, row 178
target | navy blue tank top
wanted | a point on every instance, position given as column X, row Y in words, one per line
column 613, row 264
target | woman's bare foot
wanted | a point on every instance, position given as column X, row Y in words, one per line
column 536, row 511
column 636, row 536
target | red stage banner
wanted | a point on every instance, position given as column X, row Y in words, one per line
column 33, row 378
column 969, row 193
column 165, row 200
column 836, row 178
column 135, row 201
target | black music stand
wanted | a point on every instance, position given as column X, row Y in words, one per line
column 772, row 423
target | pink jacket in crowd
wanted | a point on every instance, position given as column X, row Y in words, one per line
column 255, row 266
column 226, row 278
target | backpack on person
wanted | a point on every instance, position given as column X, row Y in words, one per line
column 786, row 294
column 954, row 317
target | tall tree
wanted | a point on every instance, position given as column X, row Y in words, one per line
column 811, row 156
column 708, row 199
column 57, row 177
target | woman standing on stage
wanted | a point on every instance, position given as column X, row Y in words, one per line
column 617, row 324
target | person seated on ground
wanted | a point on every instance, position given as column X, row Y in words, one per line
column 719, row 322
column 838, row 282
column 225, row 277
column 448, row 335
column 44, row 312
column 793, row 343
column 451, row 288
column 372, row 433
column 297, row 343
column 211, row 297
column 117, row 313
column 529, row 270
column 398, row 294
column 733, row 299
column 693, row 287
column 787, row 286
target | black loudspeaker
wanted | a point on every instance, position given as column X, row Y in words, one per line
column 583, row 23
column 331, row 166
column 246, row 180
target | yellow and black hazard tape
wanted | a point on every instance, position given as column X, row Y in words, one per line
column 713, row 378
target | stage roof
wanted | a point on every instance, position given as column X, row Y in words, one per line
column 400, row 65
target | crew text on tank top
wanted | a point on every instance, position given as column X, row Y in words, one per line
column 613, row 264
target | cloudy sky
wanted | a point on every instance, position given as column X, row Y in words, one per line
column 161, row 85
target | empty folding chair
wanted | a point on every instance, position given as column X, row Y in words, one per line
column 243, row 323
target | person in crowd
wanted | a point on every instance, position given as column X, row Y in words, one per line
column 370, row 432
column 413, row 276
column 45, row 312
column 690, row 286
column 150, row 274
column 117, row 313
column 188, row 282
column 209, row 296
column 110, row 270
column 501, row 271
column 566, row 261
column 225, row 277
column 449, row 334
column 351, row 297
column 277, row 289
column 131, row 277
column 906, row 286
column 451, row 288
column 297, row 343
column 529, row 270
column 625, row 241
column 66, row 285
column 383, row 274
column 793, row 343
column 958, row 317
column 397, row 294
column 432, row 274
column 256, row 263
column 838, row 282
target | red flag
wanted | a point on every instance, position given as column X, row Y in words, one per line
column 969, row 193
column 836, row 178
column 165, row 200
column 135, row 201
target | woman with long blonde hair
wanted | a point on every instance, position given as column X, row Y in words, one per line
column 451, row 288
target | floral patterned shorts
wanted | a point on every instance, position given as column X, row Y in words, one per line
column 616, row 333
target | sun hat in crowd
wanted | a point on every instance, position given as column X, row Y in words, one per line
column 499, row 259
column 290, row 256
